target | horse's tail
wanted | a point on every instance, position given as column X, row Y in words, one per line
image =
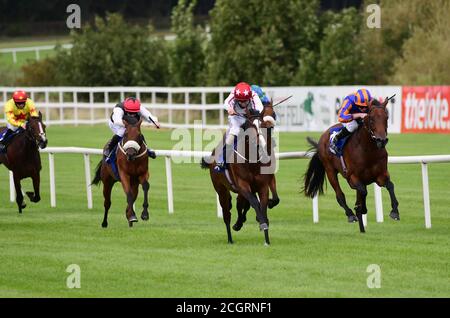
column 98, row 171
column 204, row 164
column 315, row 175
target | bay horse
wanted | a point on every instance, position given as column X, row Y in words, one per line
column 364, row 162
column 22, row 157
column 132, row 166
column 246, row 177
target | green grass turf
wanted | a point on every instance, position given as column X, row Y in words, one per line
column 186, row 254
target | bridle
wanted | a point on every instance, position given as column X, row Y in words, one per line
column 123, row 147
column 368, row 126
column 32, row 136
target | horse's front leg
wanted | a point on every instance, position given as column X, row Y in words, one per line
column 254, row 202
column 242, row 207
column 394, row 203
column 143, row 180
column 385, row 181
column 360, row 207
column 35, row 197
column 19, row 196
column 127, row 188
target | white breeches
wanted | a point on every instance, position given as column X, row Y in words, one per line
column 351, row 126
column 11, row 127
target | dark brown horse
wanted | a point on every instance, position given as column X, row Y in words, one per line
column 248, row 177
column 22, row 157
column 132, row 164
column 365, row 158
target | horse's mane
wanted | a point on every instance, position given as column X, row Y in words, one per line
column 132, row 120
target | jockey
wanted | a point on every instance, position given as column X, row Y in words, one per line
column 261, row 94
column 130, row 107
column 241, row 101
column 353, row 107
column 17, row 112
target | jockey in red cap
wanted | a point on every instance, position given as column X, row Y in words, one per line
column 17, row 112
column 241, row 101
column 129, row 107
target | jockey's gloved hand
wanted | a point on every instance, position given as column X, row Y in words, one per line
column 254, row 112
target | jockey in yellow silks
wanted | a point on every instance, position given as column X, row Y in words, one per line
column 18, row 111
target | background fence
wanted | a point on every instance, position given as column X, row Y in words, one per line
column 169, row 154
column 309, row 109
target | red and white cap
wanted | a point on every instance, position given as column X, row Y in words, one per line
column 242, row 91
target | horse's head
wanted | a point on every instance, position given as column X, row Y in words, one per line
column 132, row 139
column 376, row 122
column 36, row 130
column 268, row 116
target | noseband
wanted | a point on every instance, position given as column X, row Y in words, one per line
column 368, row 127
column 135, row 145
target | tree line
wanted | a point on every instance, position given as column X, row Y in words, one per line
column 273, row 43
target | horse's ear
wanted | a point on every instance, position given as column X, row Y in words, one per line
column 139, row 122
column 370, row 103
column 40, row 116
column 385, row 102
column 125, row 123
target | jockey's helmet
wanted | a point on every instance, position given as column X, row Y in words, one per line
column 363, row 97
column 242, row 92
column 20, row 98
column 132, row 105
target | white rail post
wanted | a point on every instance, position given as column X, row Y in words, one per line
column 61, row 108
column 186, row 111
column 91, row 105
column 87, row 172
column 169, row 185
column 12, row 188
column 51, row 165
column 378, row 203
column 37, row 54
column 75, row 109
column 316, row 209
column 219, row 207
column 14, row 57
column 169, row 104
column 426, row 195
column 203, row 109
column 221, row 111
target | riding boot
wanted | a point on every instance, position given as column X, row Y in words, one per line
column 227, row 156
column 111, row 145
column 340, row 135
column 151, row 152
column 4, row 140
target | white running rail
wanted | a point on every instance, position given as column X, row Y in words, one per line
column 168, row 154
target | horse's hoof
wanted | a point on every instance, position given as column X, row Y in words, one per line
column 352, row 219
column 130, row 224
column 237, row 227
column 272, row 203
column 133, row 218
column 395, row 216
column 104, row 225
column 144, row 216
column 230, row 242
column 266, row 244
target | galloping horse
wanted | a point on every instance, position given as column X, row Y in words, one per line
column 246, row 178
column 23, row 159
column 364, row 162
column 132, row 164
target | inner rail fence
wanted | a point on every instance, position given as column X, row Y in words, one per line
column 169, row 154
